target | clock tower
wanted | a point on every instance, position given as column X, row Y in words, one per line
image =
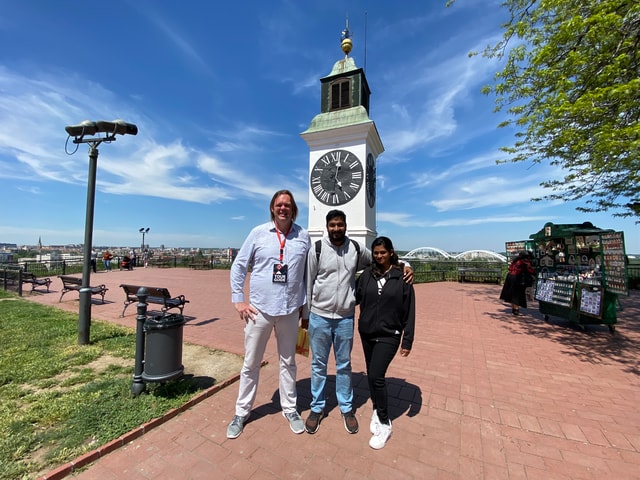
column 343, row 148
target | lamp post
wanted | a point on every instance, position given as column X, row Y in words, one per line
column 79, row 132
column 143, row 231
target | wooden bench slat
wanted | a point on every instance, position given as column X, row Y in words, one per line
column 480, row 274
column 200, row 265
column 28, row 277
column 70, row 283
column 156, row 295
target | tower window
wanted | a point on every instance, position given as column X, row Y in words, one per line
column 340, row 94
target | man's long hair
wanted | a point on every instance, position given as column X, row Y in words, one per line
column 294, row 206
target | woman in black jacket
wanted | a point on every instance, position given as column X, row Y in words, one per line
column 519, row 278
column 387, row 321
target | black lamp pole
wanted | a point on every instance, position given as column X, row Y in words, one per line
column 143, row 231
column 78, row 132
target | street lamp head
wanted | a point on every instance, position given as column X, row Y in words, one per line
column 117, row 126
column 86, row 127
column 110, row 129
column 144, row 230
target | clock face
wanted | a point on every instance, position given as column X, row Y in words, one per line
column 336, row 178
column 371, row 181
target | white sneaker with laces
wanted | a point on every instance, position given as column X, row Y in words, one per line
column 379, row 439
column 374, row 422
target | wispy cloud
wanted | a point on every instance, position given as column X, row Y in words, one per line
column 412, row 221
column 509, row 219
column 177, row 39
column 402, row 219
column 141, row 167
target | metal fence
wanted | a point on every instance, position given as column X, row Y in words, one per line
column 424, row 270
column 71, row 266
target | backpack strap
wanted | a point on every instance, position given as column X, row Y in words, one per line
column 356, row 245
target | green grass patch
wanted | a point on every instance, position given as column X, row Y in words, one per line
column 58, row 399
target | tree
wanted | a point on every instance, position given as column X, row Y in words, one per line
column 571, row 88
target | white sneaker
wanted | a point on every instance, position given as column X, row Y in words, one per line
column 375, row 421
column 379, row 439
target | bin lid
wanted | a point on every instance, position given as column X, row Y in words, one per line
column 166, row 320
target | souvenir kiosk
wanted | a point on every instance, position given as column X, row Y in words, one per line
column 580, row 270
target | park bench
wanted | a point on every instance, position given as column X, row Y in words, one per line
column 160, row 262
column 35, row 281
column 492, row 275
column 157, row 295
column 200, row 265
column 70, row 283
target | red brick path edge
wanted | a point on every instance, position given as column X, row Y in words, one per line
column 483, row 395
column 99, row 452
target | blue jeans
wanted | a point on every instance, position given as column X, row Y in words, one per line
column 323, row 333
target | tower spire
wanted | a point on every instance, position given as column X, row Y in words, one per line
column 346, row 43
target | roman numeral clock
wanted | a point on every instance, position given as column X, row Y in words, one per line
column 336, row 177
column 343, row 148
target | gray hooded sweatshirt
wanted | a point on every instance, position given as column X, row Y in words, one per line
column 331, row 280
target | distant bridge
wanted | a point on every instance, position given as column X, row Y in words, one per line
column 433, row 253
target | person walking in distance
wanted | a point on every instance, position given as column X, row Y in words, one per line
column 276, row 253
column 331, row 278
column 386, row 322
column 132, row 256
column 94, row 260
column 106, row 258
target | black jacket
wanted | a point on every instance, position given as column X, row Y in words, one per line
column 390, row 314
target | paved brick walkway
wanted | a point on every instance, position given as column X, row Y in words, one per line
column 483, row 395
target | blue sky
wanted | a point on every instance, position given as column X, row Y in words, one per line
column 221, row 91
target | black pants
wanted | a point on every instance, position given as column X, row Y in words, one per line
column 378, row 353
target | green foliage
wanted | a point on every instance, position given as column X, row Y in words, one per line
column 571, row 87
column 54, row 403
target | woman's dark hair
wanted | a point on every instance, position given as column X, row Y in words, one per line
column 521, row 256
column 294, row 206
column 386, row 243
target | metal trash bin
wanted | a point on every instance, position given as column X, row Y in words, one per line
column 163, row 347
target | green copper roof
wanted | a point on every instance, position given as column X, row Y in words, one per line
column 338, row 118
column 343, row 66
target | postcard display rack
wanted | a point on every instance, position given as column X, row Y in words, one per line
column 580, row 272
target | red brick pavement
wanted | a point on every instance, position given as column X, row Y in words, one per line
column 483, row 395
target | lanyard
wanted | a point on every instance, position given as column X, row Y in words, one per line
column 282, row 240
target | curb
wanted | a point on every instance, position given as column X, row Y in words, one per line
column 90, row 457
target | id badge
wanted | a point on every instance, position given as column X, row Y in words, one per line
column 280, row 273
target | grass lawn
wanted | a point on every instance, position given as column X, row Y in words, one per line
column 58, row 399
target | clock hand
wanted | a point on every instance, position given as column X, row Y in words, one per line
column 335, row 176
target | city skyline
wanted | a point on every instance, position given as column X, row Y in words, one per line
column 220, row 94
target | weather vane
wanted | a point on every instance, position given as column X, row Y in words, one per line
column 346, row 35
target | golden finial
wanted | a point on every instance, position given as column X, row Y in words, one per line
column 346, row 44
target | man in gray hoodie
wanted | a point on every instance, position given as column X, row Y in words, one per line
column 331, row 277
